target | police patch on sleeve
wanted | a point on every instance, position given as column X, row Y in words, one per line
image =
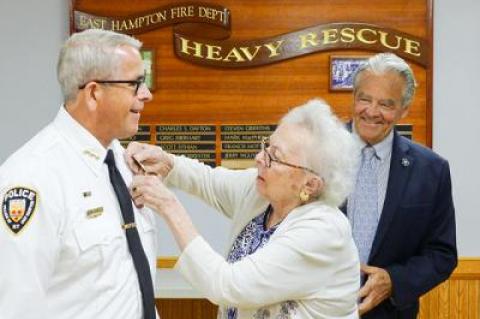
column 18, row 206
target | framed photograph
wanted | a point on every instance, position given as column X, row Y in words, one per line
column 342, row 69
column 148, row 57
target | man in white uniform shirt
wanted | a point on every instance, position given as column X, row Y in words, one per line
column 66, row 250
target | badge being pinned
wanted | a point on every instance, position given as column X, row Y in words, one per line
column 18, row 206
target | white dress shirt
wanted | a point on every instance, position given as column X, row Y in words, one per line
column 69, row 258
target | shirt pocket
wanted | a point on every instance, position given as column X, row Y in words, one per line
column 99, row 238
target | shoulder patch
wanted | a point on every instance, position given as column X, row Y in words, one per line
column 18, row 206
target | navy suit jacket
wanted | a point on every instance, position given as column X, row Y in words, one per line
column 415, row 239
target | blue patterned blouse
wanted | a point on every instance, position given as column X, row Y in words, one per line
column 253, row 236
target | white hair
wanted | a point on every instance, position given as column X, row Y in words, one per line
column 385, row 62
column 88, row 56
column 331, row 150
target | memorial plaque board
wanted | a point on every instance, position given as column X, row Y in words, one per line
column 405, row 130
column 238, row 155
column 241, row 143
column 172, row 147
column 186, row 129
column 248, row 128
column 185, row 138
column 193, row 141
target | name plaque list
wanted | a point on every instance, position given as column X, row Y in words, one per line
column 241, row 143
column 232, row 146
column 193, row 141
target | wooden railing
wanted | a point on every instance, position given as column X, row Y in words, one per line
column 456, row 298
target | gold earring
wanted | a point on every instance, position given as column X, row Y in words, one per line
column 304, row 196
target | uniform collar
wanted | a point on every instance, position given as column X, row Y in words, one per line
column 382, row 148
column 87, row 146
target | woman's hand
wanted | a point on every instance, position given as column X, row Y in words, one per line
column 149, row 190
column 145, row 159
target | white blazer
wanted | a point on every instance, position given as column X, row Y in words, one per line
column 310, row 264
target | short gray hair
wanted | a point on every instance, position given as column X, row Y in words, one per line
column 87, row 56
column 384, row 62
column 331, row 151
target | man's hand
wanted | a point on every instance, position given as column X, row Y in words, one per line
column 377, row 288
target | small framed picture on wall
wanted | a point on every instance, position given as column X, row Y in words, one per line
column 148, row 57
column 342, row 69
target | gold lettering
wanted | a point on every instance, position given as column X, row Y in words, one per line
column 412, row 47
column 361, row 37
column 155, row 18
column 179, row 12
column 115, row 25
column 330, row 36
column 197, row 47
column 308, row 39
column 162, row 16
column 383, row 40
column 248, row 54
column 124, row 25
column 140, row 21
column 347, row 35
column 210, row 13
column 91, row 23
column 175, row 12
column 102, row 24
column 222, row 16
column 132, row 25
column 234, row 54
column 83, row 22
column 213, row 52
column 184, row 12
column 274, row 48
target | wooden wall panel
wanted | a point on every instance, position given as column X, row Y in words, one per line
column 459, row 297
column 194, row 94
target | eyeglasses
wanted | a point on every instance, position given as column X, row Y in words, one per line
column 268, row 158
column 138, row 83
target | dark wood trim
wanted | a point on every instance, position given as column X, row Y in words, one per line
column 72, row 19
column 429, row 80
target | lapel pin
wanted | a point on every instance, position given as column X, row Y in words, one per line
column 405, row 162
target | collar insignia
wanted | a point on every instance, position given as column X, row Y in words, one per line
column 91, row 154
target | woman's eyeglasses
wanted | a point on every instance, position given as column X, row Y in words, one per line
column 268, row 158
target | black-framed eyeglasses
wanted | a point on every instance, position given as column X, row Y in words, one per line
column 268, row 158
column 138, row 83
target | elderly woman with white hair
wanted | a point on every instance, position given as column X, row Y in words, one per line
column 291, row 252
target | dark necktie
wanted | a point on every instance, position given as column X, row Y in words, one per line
column 133, row 238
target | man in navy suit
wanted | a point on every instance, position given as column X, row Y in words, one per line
column 403, row 219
